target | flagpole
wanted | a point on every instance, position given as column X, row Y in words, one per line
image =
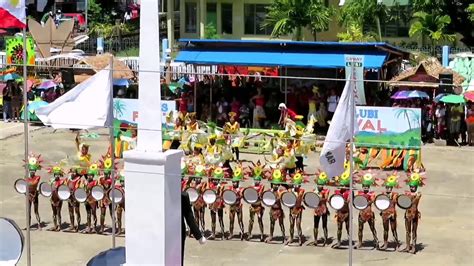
column 351, row 160
column 112, row 145
column 25, row 133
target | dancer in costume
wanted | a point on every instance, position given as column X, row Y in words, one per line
column 276, row 212
column 192, row 124
column 231, row 129
column 236, row 208
column 342, row 215
column 367, row 215
column 412, row 214
column 56, row 203
column 321, row 212
column 91, row 203
column 296, row 212
column 106, row 182
column 218, row 206
column 75, row 181
column 199, row 206
column 257, row 208
column 120, row 183
column 34, row 164
column 389, row 216
column 285, row 113
column 83, row 155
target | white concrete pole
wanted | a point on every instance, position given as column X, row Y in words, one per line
column 152, row 178
column 170, row 22
column 202, row 18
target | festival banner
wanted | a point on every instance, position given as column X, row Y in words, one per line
column 388, row 127
column 126, row 110
column 14, row 50
column 355, row 66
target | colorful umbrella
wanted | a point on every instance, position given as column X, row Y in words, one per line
column 121, row 82
column 399, row 95
column 439, row 96
column 32, row 107
column 11, row 76
column 453, row 98
column 46, row 84
column 418, row 94
column 469, row 95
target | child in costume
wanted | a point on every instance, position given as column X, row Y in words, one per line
column 389, row 216
column 231, row 128
column 321, row 212
column 236, row 208
column 56, row 203
column 412, row 214
column 276, row 211
column 296, row 212
column 257, row 208
column 367, row 215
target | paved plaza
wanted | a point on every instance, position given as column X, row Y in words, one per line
column 445, row 233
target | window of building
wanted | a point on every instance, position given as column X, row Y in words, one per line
column 254, row 18
column 190, row 17
column 211, row 14
column 226, row 18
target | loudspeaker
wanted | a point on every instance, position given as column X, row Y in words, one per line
column 68, row 76
column 445, row 83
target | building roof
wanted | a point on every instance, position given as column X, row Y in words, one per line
column 284, row 53
column 99, row 62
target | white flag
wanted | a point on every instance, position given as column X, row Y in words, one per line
column 334, row 149
column 85, row 106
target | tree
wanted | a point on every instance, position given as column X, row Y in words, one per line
column 210, row 32
column 470, row 10
column 354, row 33
column 432, row 26
column 457, row 10
column 364, row 13
column 292, row 16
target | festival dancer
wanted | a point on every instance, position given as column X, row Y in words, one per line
column 367, row 215
column 192, row 124
column 56, row 203
column 106, row 182
column 285, row 113
column 83, row 155
column 389, row 216
column 342, row 215
column 218, row 206
column 236, row 208
column 120, row 183
column 296, row 212
column 231, row 128
column 321, row 212
column 34, row 164
column 412, row 214
column 91, row 203
column 276, row 212
column 74, row 181
column 257, row 208
column 199, row 206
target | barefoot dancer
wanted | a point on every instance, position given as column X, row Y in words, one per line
column 56, row 203
column 257, row 208
column 367, row 215
column 321, row 212
column 412, row 215
column 276, row 212
column 33, row 181
column 389, row 216
column 74, row 181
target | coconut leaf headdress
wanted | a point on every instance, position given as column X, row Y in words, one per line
column 199, row 170
column 298, row 178
column 34, row 162
column 392, row 180
column 218, row 173
column 416, row 179
column 322, row 178
column 238, row 173
column 56, row 170
column 367, row 179
column 344, row 179
column 257, row 171
column 93, row 169
column 106, row 164
column 277, row 176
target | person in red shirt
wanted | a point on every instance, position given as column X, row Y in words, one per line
column 183, row 103
column 322, row 210
column 367, row 215
column 285, row 113
column 56, row 202
column 33, row 181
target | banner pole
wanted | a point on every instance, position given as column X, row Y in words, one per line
column 112, row 146
column 351, row 160
column 25, row 133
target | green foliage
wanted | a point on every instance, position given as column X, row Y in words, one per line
column 432, row 26
column 292, row 16
column 210, row 32
column 364, row 13
column 108, row 30
column 470, row 10
column 95, row 13
column 354, row 33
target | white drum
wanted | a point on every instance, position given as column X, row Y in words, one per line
column 311, row 200
column 229, row 196
column 288, row 199
column 360, row 202
column 268, row 198
column 21, row 186
column 250, row 195
column 63, row 192
column 382, row 202
column 80, row 195
column 11, row 235
column 336, row 201
column 45, row 189
column 97, row 192
column 193, row 194
column 404, row 202
column 209, row 196
column 116, row 195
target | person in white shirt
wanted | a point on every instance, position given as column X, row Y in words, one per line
column 332, row 100
column 440, row 114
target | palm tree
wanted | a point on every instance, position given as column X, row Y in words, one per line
column 432, row 26
column 408, row 113
column 354, row 34
column 119, row 107
column 292, row 16
column 364, row 13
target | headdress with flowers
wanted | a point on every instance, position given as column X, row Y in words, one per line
column 56, row 170
column 34, row 162
column 93, row 169
column 367, row 178
column 106, row 164
column 416, row 179
column 237, row 173
column 344, row 178
column 298, row 178
column 257, row 171
column 322, row 178
column 277, row 176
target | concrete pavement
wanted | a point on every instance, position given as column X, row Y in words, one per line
column 445, row 234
